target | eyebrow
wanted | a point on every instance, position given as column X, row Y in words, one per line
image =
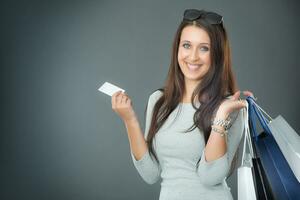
column 199, row 43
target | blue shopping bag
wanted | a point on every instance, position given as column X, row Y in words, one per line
column 282, row 180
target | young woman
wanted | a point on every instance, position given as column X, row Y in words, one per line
column 194, row 123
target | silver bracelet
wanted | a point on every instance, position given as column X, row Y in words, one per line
column 222, row 133
column 221, row 122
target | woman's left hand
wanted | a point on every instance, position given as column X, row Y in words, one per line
column 232, row 104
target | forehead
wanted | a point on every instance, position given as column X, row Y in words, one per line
column 195, row 35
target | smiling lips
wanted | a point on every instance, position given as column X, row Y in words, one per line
column 193, row 67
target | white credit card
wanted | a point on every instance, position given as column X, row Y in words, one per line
column 109, row 89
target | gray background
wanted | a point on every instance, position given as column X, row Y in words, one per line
column 60, row 139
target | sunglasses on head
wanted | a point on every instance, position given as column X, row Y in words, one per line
column 210, row 17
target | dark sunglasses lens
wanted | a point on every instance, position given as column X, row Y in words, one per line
column 192, row 14
column 214, row 18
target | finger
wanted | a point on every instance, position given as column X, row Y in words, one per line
column 118, row 97
column 248, row 93
column 242, row 102
column 126, row 98
column 114, row 99
column 116, row 93
column 236, row 95
column 125, row 94
column 123, row 99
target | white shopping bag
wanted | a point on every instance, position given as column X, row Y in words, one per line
column 246, row 189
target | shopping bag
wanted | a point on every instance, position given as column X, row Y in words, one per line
column 262, row 186
column 246, row 190
column 287, row 139
column 282, row 180
column 252, row 181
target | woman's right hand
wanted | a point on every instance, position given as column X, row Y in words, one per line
column 121, row 104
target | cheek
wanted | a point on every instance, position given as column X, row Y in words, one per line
column 206, row 58
column 182, row 54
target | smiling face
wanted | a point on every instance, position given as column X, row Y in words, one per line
column 194, row 54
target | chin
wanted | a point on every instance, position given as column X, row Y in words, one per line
column 194, row 77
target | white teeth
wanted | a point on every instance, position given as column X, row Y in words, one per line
column 193, row 67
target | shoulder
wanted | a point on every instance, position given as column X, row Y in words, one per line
column 154, row 96
column 228, row 96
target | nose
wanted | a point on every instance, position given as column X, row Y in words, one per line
column 194, row 56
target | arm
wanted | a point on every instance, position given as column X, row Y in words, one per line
column 217, row 156
column 216, row 145
column 138, row 145
column 147, row 167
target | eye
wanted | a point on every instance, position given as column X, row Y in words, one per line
column 204, row 48
column 186, row 45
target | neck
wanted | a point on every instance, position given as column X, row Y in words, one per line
column 189, row 89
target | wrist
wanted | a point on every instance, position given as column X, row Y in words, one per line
column 221, row 121
column 219, row 129
column 130, row 120
column 222, row 115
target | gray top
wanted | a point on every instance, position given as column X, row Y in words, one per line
column 178, row 154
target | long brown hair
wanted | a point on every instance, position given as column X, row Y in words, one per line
column 215, row 86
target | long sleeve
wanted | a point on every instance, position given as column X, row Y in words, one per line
column 147, row 167
column 214, row 172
